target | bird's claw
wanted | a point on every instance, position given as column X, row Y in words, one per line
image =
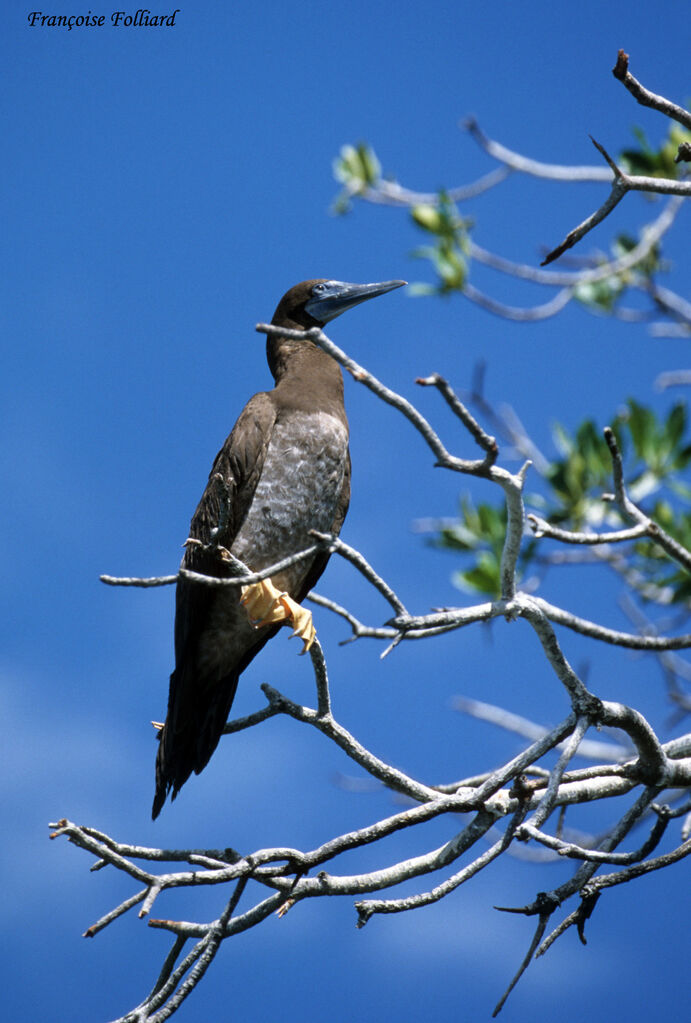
column 304, row 626
column 262, row 601
column 267, row 605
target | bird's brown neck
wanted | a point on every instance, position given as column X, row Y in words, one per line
column 305, row 375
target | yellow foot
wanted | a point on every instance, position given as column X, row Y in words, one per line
column 267, row 605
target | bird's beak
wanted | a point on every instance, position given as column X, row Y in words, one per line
column 336, row 297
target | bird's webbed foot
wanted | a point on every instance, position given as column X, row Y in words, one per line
column 267, row 605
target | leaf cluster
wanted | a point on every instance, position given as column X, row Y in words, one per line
column 358, row 169
column 576, row 495
column 479, row 535
column 602, row 296
column 449, row 252
column 655, row 163
column 448, row 249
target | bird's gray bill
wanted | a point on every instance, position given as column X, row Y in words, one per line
column 331, row 298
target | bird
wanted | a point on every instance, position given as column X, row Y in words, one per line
column 283, row 471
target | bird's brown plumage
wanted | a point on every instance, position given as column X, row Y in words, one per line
column 284, row 469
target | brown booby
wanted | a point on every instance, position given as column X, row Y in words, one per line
column 283, row 471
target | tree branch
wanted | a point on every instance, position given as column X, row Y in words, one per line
column 644, row 96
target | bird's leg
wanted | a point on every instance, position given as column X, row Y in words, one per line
column 267, row 605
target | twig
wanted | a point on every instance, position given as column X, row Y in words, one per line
column 548, row 801
column 355, row 558
column 631, row 512
column 576, row 852
column 467, row 838
column 537, row 937
column 644, row 96
column 612, row 636
column 532, row 314
column 485, row 441
column 390, row 193
column 549, row 171
column 243, row 577
column 621, row 184
column 650, row 236
column 541, row 528
column 519, row 725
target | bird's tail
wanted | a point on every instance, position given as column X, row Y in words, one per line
column 190, row 735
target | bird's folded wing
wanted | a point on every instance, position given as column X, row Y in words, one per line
column 224, row 505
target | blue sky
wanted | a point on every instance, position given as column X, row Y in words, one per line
column 162, row 188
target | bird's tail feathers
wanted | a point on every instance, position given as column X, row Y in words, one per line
column 190, row 735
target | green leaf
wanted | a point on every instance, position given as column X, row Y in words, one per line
column 649, row 162
column 484, row 577
column 358, row 168
column 451, row 268
column 427, row 217
column 675, row 425
column 601, row 295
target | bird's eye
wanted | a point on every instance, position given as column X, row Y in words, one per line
column 318, row 288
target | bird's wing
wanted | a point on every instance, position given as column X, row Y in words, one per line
column 223, row 506
column 239, row 462
column 199, row 701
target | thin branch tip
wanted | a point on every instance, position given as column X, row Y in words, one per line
column 621, row 67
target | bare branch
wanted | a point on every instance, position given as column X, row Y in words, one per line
column 548, row 801
column 519, row 725
column 572, row 851
column 613, row 636
column 532, row 314
column 157, row 580
column 541, row 527
column 622, row 184
column 363, row 566
column 468, row 837
column 675, row 378
column 390, row 193
column 484, row 440
column 537, row 937
column 549, row 171
column 630, row 511
column 417, row 626
column 243, row 577
column 623, row 876
column 652, row 767
column 650, row 236
column 671, row 303
column 619, row 190
column 644, row 96
column 328, row 726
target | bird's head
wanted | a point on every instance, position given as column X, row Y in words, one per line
column 314, row 303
